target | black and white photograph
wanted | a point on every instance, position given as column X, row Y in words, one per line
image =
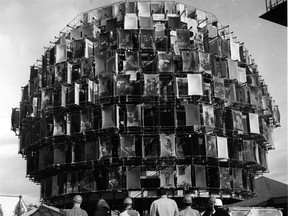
column 122, row 104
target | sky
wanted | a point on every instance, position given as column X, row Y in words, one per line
column 27, row 26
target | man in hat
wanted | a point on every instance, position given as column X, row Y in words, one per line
column 188, row 211
column 163, row 206
column 219, row 211
column 128, row 211
column 76, row 210
column 210, row 210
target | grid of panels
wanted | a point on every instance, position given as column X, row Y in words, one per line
column 146, row 94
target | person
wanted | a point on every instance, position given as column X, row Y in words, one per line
column 163, row 206
column 128, row 211
column 188, row 211
column 219, row 211
column 210, row 209
column 76, row 210
column 102, row 208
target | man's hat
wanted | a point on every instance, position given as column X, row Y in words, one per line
column 187, row 199
column 77, row 199
column 218, row 202
column 128, row 201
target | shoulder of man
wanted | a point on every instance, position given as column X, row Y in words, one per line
column 84, row 213
column 133, row 213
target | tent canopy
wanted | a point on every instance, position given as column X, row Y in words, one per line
column 44, row 210
column 266, row 189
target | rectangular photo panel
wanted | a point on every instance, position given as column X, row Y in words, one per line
column 145, row 22
column 58, row 125
column 131, row 62
column 133, row 115
column 55, row 187
column 150, row 146
column 91, row 150
column 184, row 176
column 234, row 49
column 195, row 84
column 181, row 87
column 248, row 151
column 61, row 53
column 254, row 123
column 78, row 48
column 233, row 69
column 108, row 117
column 147, row 39
column 85, row 121
column 75, row 122
column 192, row 112
column 90, row 91
column 190, row 61
column 174, row 21
column 215, row 47
column 167, row 176
column 225, row 178
column 183, row 146
column 115, row 178
column 105, row 148
column 237, row 179
column 211, row 146
column 127, row 145
column 130, row 22
column 208, row 115
column 213, row 178
column 59, row 154
column 204, row 62
column 167, row 145
column 241, row 75
column 124, row 39
column 87, row 181
column 64, row 90
column 77, row 89
column 133, row 177
column 200, row 176
column 180, row 117
column 218, row 87
column 207, row 92
column 183, row 38
column 100, row 63
column 222, row 145
column 123, row 85
column 144, row 8
column 106, row 86
column 165, row 61
column 237, row 120
column 197, row 40
column 151, row 85
column 254, row 96
column 167, row 118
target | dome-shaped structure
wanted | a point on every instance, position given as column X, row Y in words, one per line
column 135, row 96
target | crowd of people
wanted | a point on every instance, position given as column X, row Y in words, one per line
column 163, row 206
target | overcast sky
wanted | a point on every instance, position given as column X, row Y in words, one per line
column 28, row 25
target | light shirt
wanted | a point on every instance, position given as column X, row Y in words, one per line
column 164, row 207
column 130, row 212
column 188, row 211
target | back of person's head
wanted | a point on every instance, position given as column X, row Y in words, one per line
column 128, row 202
column 162, row 191
column 187, row 200
column 77, row 199
column 103, row 204
column 212, row 199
